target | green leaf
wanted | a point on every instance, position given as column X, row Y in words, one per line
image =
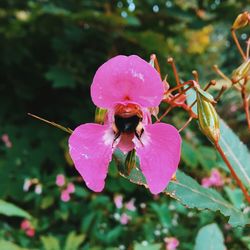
column 190, row 193
column 10, row 209
column 74, row 241
column 236, row 152
column 7, row 245
column 50, row 243
column 189, row 154
column 147, row 247
column 210, row 237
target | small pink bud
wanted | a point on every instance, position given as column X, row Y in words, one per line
column 65, row 196
column 205, row 182
column 71, row 188
column 118, row 201
column 171, row 243
column 130, row 205
column 25, row 224
column 30, row 232
column 124, row 219
column 5, row 138
column 60, row 180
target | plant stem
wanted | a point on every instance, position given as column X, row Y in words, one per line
column 245, row 104
column 239, row 183
column 238, row 44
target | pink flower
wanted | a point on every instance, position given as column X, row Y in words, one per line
column 171, row 243
column 131, row 205
column 5, row 138
column 25, row 224
column 65, row 196
column 30, row 232
column 215, row 179
column 27, row 227
column 118, row 201
column 124, row 219
column 127, row 87
column 70, row 188
column 60, row 180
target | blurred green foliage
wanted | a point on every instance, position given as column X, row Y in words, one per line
column 50, row 50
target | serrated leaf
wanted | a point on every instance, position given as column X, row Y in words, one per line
column 74, row 241
column 236, row 152
column 50, row 243
column 10, row 209
column 190, row 193
column 210, row 237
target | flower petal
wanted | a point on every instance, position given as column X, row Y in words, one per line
column 90, row 147
column 125, row 78
column 160, row 155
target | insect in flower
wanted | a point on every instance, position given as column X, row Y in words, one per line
column 128, row 88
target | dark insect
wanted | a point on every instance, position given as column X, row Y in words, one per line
column 128, row 125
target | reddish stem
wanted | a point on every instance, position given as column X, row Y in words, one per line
column 238, row 44
column 238, row 181
column 245, row 103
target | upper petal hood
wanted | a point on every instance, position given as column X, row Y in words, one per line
column 126, row 78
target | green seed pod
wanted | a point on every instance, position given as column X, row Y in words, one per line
column 130, row 161
column 100, row 115
column 242, row 71
column 207, row 117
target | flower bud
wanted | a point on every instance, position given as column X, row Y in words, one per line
column 100, row 115
column 130, row 161
column 241, row 20
column 241, row 72
column 207, row 116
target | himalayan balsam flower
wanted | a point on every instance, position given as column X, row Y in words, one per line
column 118, row 201
column 60, row 180
column 5, row 138
column 65, row 196
column 215, row 179
column 171, row 243
column 27, row 227
column 124, row 219
column 128, row 87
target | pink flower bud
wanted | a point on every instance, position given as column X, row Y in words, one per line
column 25, row 224
column 60, row 180
column 130, row 205
column 124, row 219
column 171, row 243
column 5, row 138
column 30, row 232
column 65, row 196
column 118, row 201
column 71, row 188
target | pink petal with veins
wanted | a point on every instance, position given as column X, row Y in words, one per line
column 90, row 147
column 126, row 78
column 160, row 154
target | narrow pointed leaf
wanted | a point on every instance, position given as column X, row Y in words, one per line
column 10, row 209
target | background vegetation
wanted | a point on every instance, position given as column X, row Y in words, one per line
column 49, row 53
